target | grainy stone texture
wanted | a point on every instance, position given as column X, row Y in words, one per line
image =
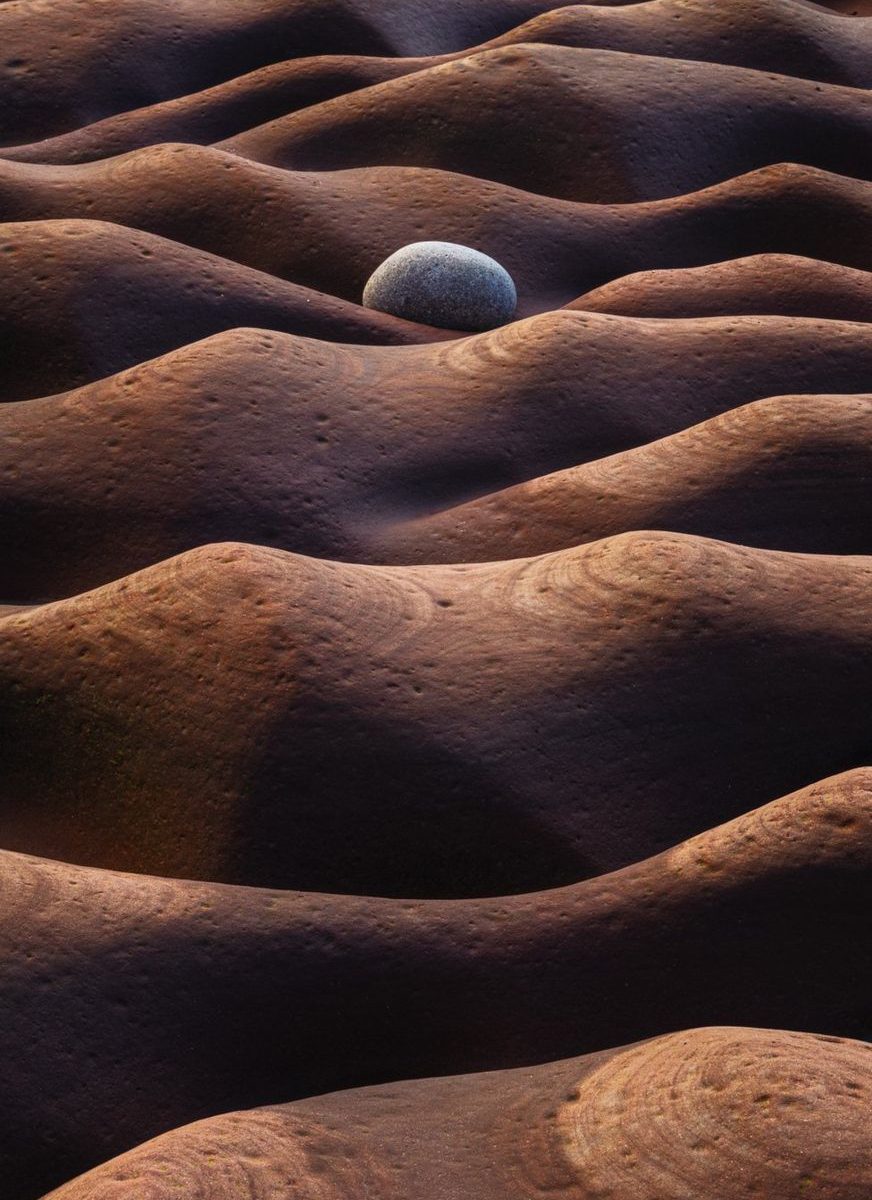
column 211, row 702
column 433, row 453
column 555, row 251
column 780, row 36
column 139, row 967
column 711, row 1112
column 444, row 284
column 508, row 720
column 588, row 125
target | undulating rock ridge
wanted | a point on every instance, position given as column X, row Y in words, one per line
column 330, row 230
column 786, row 473
column 488, row 715
column 786, row 284
column 726, row 1111
column 146, row 295
column 804, row 41
column 71, row 64
column 342, row 451
column 152, row 1002
column 589, row 125
column 397, row 726
column 68, row 63
column 782, row 36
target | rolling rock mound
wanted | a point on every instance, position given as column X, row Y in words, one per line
column 146, row 295
column 773, row 283
column 316, row 448
column 578, row 124
column 740, row 1111
column 201, row 703
column 790, row 472
column 152, row 1002
column 67, row 65
column 330, row 230
column 421, row 718
column 769, row 35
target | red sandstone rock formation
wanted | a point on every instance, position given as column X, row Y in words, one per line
column 726, row 1111
column 503, row 648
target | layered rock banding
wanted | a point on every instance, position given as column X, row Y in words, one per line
column 740, row 1110
column 435, row 762
column 759, row 920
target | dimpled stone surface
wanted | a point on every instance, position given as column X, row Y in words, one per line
column 443, row 284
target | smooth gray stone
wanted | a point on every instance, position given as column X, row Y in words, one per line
column 444, row 284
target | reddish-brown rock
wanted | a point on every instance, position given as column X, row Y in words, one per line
column 332, row 450
column 435, row 627
column 133, row 1005
column 145, row 295
column 726, row 1111
column 769, row 35
column 443, row 730
column 554, row 250
column 592, row 125
column 68, row 63
column 789, row 473
column 764, row 284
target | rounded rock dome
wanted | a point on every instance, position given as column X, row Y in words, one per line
column 443, row 284
column 725, row 1113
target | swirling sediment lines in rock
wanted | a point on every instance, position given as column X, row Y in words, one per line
column 574, row 614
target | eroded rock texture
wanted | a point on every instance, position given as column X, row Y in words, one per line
column 435, row 764
column 734, row 1112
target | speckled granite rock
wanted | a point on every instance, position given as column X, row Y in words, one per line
column 444, row 284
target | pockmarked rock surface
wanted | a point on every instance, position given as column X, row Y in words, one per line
column 134, row 55
column 443, row 284
column 435, row 759
column 354, row 452
column 589, row 125
column 201, row 702
column 782, row 36
column 715, row 1111
column 760, row 919
column 766, row 284
column 147, row 295
column 330, row 230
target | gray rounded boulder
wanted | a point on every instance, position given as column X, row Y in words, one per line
column 441, row 283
